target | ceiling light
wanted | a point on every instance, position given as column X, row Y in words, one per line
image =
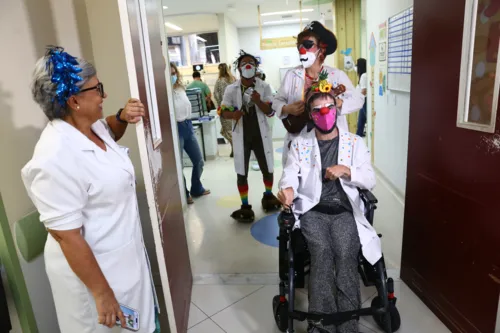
column 288, row 12
column 173, row 26
column 285, row 21
column 201, row 39
column 165, row 7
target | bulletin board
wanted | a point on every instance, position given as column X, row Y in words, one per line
column 400, row 41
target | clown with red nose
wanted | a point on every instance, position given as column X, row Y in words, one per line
column 247, row 102
column 314, row 44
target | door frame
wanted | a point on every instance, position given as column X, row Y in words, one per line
column 146, row 167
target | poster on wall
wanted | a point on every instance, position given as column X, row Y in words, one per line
column 382, row 41
column 383, row 51
column 382, row 79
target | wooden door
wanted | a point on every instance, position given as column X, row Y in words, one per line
column 451, row 238
column 158, row 157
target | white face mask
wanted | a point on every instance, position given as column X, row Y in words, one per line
column 248, row 71
column 308, row 59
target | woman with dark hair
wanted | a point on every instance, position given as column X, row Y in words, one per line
column 314, row 44
column 187, row 138
column 225, row 79
column 83, row 185
column 325, row 167
column 362, row 86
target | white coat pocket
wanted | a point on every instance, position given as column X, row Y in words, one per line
column 121, row 269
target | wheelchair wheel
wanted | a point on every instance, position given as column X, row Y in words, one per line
column 280, row 311
column 393, row 311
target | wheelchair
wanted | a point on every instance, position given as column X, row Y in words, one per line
column 294, row 262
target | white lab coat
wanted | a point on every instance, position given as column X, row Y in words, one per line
column 302, row 172
column 73, row 184
column 232, row 97
column 292, row 90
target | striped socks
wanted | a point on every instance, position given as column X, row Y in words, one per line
column 243, row 189
column 268, row 183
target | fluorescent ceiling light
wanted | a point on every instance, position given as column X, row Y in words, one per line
column 173, row 26
column 165, row 7
column 201, row 39
column 288, row 12
column 285, row 21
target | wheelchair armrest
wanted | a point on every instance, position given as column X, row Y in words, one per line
column 367, row 197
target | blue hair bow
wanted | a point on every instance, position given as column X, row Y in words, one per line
column 64, row 73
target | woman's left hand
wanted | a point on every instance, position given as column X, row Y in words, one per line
column 337, row 171
column 339, row 102
column 133, row 112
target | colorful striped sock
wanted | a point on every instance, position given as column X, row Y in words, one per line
column 268, row 183
column 243, row 189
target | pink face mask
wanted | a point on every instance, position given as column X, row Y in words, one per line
column 324, row 117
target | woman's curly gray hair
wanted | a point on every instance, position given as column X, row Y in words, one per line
column 44, row 90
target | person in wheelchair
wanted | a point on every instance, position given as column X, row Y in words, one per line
column 324, row 169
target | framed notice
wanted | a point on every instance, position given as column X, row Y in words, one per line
column 479, row 74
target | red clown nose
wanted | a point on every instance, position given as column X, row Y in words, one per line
column 324, row 110
column 302, row 51
column 248, row 67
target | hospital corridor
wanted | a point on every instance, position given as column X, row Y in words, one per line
column 249, row 166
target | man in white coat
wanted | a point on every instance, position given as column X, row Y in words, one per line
column 315, row 43
column 324, row 169
column 248, row 103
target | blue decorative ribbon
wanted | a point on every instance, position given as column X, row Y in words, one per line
column 64, row 72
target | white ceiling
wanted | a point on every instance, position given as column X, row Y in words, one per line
column 243, row 13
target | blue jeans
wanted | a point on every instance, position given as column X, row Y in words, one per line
column 362, row 121
column 188, row 143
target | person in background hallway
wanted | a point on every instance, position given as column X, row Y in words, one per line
column 83, row 185
column 205, row 90
column 247, row 102
column 314, row 44
column 225, row 79
column 187, row 138
column 362, row 86
column 324, row 169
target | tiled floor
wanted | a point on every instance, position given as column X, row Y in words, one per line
column 236, row 276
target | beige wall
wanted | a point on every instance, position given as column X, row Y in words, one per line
column 30, row 27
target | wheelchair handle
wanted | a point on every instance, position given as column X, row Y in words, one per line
column 286, row 219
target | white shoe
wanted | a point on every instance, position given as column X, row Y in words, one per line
column 255, row 167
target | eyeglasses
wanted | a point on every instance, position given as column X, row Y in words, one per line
column 99, row 87
column 307, row 44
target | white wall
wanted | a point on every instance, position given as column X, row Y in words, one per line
column 229, row 43
column 393, row 109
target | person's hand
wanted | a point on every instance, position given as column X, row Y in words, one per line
column 255, row 97
column 108, row 309
column 237, row 114
column 339, row 102
column 294, row 109
column 337, row 171
column 133, row 111
column 285, row 196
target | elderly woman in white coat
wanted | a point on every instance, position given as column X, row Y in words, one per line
column 324, row 169
column 315, row 43
column 83, row 185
